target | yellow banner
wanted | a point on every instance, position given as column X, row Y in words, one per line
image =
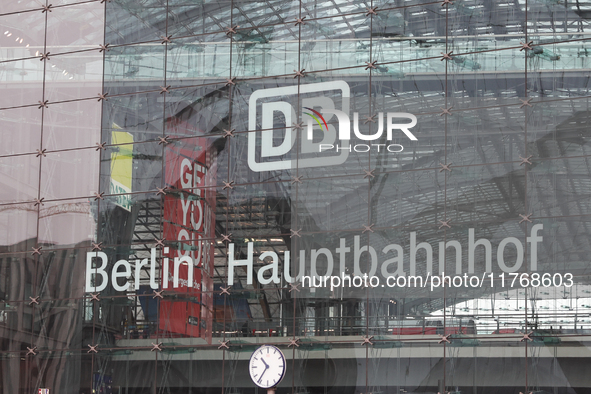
column 121, row 167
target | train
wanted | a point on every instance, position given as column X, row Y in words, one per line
column 434, row 326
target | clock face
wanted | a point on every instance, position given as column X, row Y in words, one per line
column 267, row 366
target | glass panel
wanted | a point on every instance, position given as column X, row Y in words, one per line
column 72, row 125
column 129, row 167
column 143, row 64
column 70, row 174
column 555, row 129
column 19, row 178
column 75, row 27
column 17, row 286
column 124, row 368
column 23, row 6
column 197, row 57
column 133, row 22
column 67, row 223
column 21, row 34
column 73, row 76
column 56, row 368
column 187, row 19
column 19, row 226
column 20, row 128
column 22, row 82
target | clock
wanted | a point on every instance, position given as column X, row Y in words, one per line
column 267, row 366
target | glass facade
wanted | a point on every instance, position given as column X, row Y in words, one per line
column 395, row 193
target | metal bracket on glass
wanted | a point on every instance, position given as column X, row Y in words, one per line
column 526, row 337
column 225, row 290
column 95, row 297
column 294, row 342
column 300, row 73
column 228, row 185
column 296, row 179
column 224, row 345
column 226, row 237
column 102, row 96
column 43, row 104
column 300, row 21
column 229, row 133
column 231, row 81
column 92, row 348
column 444, row 2
column 445, row 338
column 525, row 160
column 371, row 65
column 294, row 286
column 164, row 89
column 37, row 251
column 446, row 111
column 445, row 167
column 46, row 8
column 525, row 102
column 100, row 146
column 99, row 196
column 164, row 140
column 159, row 242
column 166, row 39
column 298, row 126
column 367, row 228
column 161, row 191
column 158, row 294
column 526, row 45
column 32, row 351
column 231, row 30
column 39, row 201
column 45, row 56
column 369, row 173
column 446, row 56
column 41, row 152
column 104, row 48
column 444, row 223
column 295, row 233
column 367, row 340
column 34, row 300
column 525, row 218
column 371, row 11
column 156, row 346
column 96, row 247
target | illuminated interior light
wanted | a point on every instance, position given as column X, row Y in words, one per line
column 9, row 34
column 6, row 32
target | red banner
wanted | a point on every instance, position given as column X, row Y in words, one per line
column 189, row 231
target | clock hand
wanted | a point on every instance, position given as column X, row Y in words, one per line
column 266, row 365
column 261, row 377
